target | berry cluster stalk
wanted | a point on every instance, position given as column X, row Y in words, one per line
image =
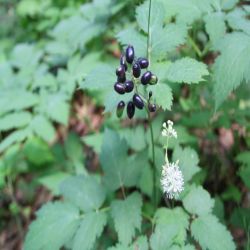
column 149, row 118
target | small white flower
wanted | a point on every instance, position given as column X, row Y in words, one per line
column 168, row 130
column 172, row 180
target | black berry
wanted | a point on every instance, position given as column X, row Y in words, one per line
column 145, row 79
column 120, row 72
column 123, row 62
column 121, row 79
column 130, row 54
column 151, row 107
column 129, row 86
column 136, row 70
column 143, row 62
column 120, row 108
column 153, row 79
column 138, row 102
column 119, row 88
column 150, row 94
column 130, row 110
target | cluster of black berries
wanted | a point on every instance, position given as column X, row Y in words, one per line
column 128, row 62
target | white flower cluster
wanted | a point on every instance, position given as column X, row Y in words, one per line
column 172, row 180
column 168, row 129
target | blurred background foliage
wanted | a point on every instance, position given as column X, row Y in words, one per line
column 50, row 128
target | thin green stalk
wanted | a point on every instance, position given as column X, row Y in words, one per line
column 195, row 47
column 149, row 118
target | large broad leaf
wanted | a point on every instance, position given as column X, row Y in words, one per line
column 127, row 217
column 90, row 229
column 55, row 226
column 188, row 161
column 171, row 223
column 211, row 234
column 14, row 120
column 119, row 168
column 232, row 66
column 83, row 191
column 198, row 201
column 186, row 70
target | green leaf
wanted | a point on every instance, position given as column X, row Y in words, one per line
column 198, row 201
column 241, row 218
column 100, row 78
column 14, row 137
column 94, row 141
column 186, row 70
column 167, row 39
column 170, row 222
column 211, row 234
column 162, row 95
column 232, row 66
column 244, row 173
column 35, row 147
column 43, row 128
column 215, row 26
column 157, row 15
column 84, row 192
column 20, row 99
column 90, row 229
column 15, row 120
column 127, row 217
column 188, row 161
column 53, row 181
column 119, row 168
column 55, row 226
column 130, row 35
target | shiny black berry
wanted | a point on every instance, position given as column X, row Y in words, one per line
column 145, row 79
column 120, row 108
column 130, row 110
column 150, row 94
column 129, row 86
column 153, row 80
column 120, row 72
column 136, row 70
column 143, row 62
column 138, row 102
column 123, row 62
column 130, row 54
column 151, row 107
column 119, row 88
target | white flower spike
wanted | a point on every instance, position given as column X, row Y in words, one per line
column 168, row 129
column 172, row 180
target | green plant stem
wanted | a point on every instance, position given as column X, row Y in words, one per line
column 195, row 47
column 149, row 32
column 153, row 160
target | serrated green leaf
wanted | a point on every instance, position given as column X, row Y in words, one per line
column 90, row 229
column 157, row 15
column 55, row 226
column 232, row 66
column 14, row 120
column 84, row 192
column 188, row 161
column 186, row 70
column 94, row 141
column 119, row 169
column 100, row 78
column 127, row 217
column 43, row 128
column 211, row 234
column 215, row 26
column 198, row 201
column 162, row 95
column 167, row 39
column 131, row 36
